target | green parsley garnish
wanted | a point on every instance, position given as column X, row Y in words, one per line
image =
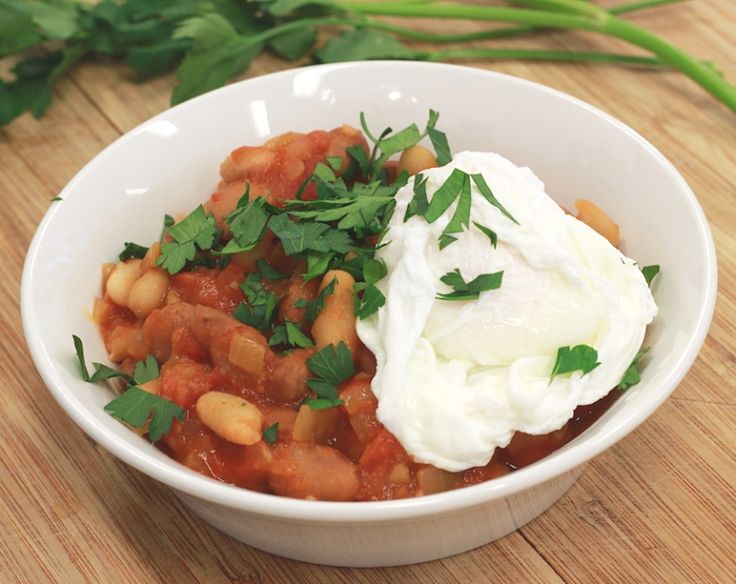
column 261, row 304
column 489, row 232
column 136, row 406
column 463, row 290
column 313, row 308
column 632, row 375
column 488, row 195
column 649, row 273
column 289, row 333
column 372, row 298
column 271, row 434
column 268, row 271
column 332, row 365
column 460, row 218
column 247, row 223
column 578, row 358
column 132, row 250
column 196, row 231
column 102, row 372
column 298, row 237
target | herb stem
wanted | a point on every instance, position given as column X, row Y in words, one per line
column 542, row 55
column 595, row 20
column 494, row 33
column 641, row 5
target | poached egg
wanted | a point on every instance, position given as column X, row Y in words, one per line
column 456, row 379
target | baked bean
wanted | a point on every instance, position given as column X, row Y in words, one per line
column 121, row 280
column 336, row 322
column 148, row 292
column 596, row 218
column 230, row 417
column 415, row 159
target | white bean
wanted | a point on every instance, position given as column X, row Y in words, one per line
column 121, row 280
column 148, row 292
column 230, row 417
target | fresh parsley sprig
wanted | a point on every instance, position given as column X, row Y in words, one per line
column 632, row 375
column 135, row 406
column 463, row 290
column 332, row 365
column 197, row 231
column 578, row 358
column 209, row 43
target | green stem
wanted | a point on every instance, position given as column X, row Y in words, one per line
column 643, row 4
column 541, row 55
column 494, row 33
column 603, row 23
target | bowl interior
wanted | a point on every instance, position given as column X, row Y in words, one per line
column 170, row 163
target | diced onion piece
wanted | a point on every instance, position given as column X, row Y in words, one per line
column 247, row 354
column 400, row 474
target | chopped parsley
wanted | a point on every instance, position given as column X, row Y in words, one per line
column 247, row 222
column 132, row 250
column 271, row 434
column 135, row 406
column 261, row 304
column 489, row 232
column 290, row 334
column 488, row 195
column 632, row 375
column 649, row 273
column 463, row 290
column 578, row 358
column 196, row 231
column 313, row 308
column 332, row 365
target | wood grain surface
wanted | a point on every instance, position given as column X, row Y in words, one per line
column 660, row 506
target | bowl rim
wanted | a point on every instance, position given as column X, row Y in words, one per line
column 190, row 483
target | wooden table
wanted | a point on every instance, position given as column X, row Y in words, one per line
column 660, row 506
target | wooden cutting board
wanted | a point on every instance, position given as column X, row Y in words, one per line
column 660, row 506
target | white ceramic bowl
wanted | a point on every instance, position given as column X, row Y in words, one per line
column 170, row 164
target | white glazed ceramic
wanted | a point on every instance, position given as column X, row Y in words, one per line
column 170, row 163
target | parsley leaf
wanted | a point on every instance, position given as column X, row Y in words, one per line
column 247, row 223
column 289, row 333
column 268, row 271
column 102, row 372
column 136, row 406
column 332, row 364
column 461, row 218
column 327, row 395
column 419, row 203
column 314, row 307
column 440, row 145
column 463, row 290
column 297, row 237
column 445, row 195
column 197, row 230
column 271, row 433
column 145, row 370
column 632, row 375
column 370, row 302
column 578, row 358
column 488, row 195
column 132, row 250
column 217, row 54
column 259, row 310
column 489, row 232
column 649, row 273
